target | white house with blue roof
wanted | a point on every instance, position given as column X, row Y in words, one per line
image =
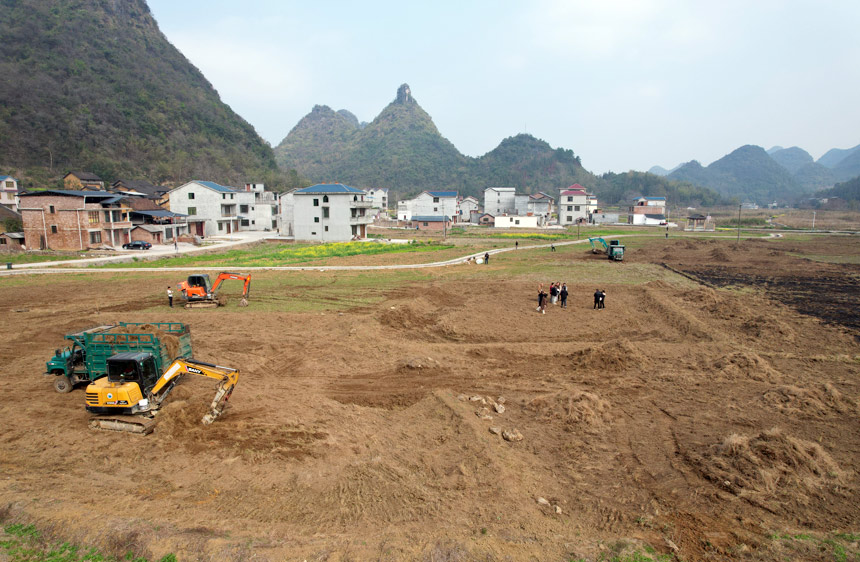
column 327, row 212
column 429, row 204
column 211, row 209
column 9, row 192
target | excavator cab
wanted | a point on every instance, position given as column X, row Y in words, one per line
column 200, row 280
column 136, row 368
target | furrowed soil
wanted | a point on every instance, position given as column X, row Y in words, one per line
column 691, row 420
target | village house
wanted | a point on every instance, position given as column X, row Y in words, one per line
column 9, row 192
column 500, row 200
column 378, row 196
column 152, row 223
column 516, row 221
column 465, row 208
column 326, row 213
column 211, row 209
column 433, row 222
column 83, row 181
column 485, row 219
column 156, row 193
column 11, row 241
column 575, row 204
column 62, row 219
column 435, row 204
column 404, row 210
column 647, row 211
column 539, row 204
column 258, row 208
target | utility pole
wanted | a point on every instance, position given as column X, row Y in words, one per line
column 813, row 220
column 738, row 241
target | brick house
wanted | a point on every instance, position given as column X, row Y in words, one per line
column 82, row 181
column 440, row 223
column 62, row 219
column 647, row 211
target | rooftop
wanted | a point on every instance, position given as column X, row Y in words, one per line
column 329, row 188
column 433, row 218
column 443, row 193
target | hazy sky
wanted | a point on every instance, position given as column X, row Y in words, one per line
column 625, row 84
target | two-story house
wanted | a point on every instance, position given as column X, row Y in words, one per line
column 435, row 204
column 466, row 206
column 575, row 205
column 327, row 213
column 211, row 209
column 378, row 196
column 62, row 219
column 500, row 200
column 647, row 210
column 82, row 181
column 9, row 192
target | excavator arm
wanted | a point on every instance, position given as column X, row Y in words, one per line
column 227, row 377
column 234, row 276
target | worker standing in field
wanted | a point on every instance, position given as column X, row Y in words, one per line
column 597, row 294
column 602, row 298
column 170, row 296
column 487, row 257
column 563, row 295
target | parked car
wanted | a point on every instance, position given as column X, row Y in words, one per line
column 137, row 245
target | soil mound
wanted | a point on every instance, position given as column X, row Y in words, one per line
column 809, row 402
column 573, row 408
column 180, row 422
column 718, row 255
column 744, row 365
column 406, row 317
column 771, row 468
column 616, row 356
column 170, row 341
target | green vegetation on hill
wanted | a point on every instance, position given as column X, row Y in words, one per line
column 849, row 191
column 746, row 173
column 792, row 159
column 624, row 187
column 93, row 85
column 402, row 150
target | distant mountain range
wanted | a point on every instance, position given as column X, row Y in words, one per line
column 779, row 174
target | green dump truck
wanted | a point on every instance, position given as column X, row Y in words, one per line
column 85, row 359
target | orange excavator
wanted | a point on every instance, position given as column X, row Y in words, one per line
column 199, row 293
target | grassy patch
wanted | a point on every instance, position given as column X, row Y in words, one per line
column 27, row 257
column 24, row 543
column 275, row 255
column 839, row 547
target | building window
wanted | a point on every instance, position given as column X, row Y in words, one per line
column 220, row 226
column 243, row 208
column 93, row 217
column 435, row 209
column 316, row 202
column 2, row 241
column 231, row 195
column 569, row 218
column 569, row 198
column 190, row 195
column 576, row 208
column 325, row 198
column 517, row 221
column 325, row 212
column 313, row 233
column 326, row 229
column 570, row 207
column 435, row 199
column 425, row 224
column 95, row 237
column 244, row 222
column 223, row 196
column 192, row 211
column 53, row 229
column 51, row 209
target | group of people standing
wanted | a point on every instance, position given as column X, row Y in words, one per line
column 557, row 295
column 599, row 298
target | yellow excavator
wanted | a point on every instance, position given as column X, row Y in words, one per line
column 128, row 397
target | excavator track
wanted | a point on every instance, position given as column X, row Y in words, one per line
column 129, row 424
column 202, row 304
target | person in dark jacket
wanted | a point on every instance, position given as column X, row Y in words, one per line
column 487, row 257
column 597, row 294
column 563, row 295
column 602, row 298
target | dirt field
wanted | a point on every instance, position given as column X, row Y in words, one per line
column 682, row 419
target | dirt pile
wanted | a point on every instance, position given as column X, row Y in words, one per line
column 815, row 402
column 771, row 469
column 574, row 408
column 128, row 333
column 744, row 365
column 612, row 356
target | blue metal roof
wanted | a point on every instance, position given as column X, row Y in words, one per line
column 2, row 178
column 443, row 193
column 434, row 218
column 160, row 214
column 650, row 198
column 330, row 188
column 215, row 186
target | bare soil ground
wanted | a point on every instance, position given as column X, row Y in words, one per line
column 690, row 420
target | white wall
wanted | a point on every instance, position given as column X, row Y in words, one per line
column 208, row 204
column 312, row 224
column 500, row 200
column 512, row 221
column 426, row 205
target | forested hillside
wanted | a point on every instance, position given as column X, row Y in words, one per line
column 94, row 85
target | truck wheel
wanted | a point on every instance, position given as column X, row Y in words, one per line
column 62, row 384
